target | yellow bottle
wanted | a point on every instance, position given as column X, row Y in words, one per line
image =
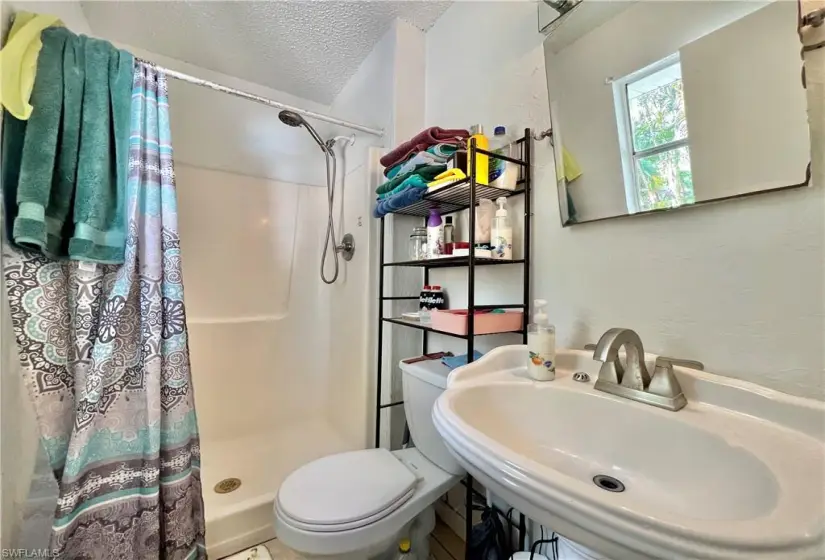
column 482, row 161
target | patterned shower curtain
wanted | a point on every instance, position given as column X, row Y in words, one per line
column 105, row 357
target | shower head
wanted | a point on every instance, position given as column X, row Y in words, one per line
column 290, row 118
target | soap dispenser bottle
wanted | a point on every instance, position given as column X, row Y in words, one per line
column 541, row 345
column 501, row 239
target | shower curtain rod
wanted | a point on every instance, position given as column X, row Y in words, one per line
column 262, row 100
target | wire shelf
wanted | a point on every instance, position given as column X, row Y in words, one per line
column 455, row 197
column 447, row 262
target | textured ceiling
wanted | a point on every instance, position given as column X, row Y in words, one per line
column 306, row 48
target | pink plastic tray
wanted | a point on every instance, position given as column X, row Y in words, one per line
column 455, row 321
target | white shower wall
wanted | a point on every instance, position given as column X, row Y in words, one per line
column 257, row 314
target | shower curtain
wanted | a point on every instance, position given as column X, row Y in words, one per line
column 105, row 357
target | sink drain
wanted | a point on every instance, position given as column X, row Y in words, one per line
column 228, row 485
column 608, row 483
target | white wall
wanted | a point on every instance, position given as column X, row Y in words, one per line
column 387, row 91
column 745, row 105
column 737, row 285
column 408, row 108
column 365, row 98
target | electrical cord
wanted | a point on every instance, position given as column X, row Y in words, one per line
column 541, row 528
column 509, row 518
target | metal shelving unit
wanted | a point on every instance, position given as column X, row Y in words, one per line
column 456, row 197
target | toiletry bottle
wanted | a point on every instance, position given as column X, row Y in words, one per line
column 424, row 305
column 435, row 235
column 449, row 236
column 501, row 240
column 484, row 222
column 541, row 345
column 437, row 299
column 503, row 174
column 482, row 161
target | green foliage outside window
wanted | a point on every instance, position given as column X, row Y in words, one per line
column 658, row 117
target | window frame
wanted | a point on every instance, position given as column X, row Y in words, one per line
column 629, row 155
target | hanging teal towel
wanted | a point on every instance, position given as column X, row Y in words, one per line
column 74, row 163
column 14, row 130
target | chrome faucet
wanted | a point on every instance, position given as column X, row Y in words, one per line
column 633, row 381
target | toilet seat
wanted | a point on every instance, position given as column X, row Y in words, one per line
column 345, row 491
column 377, row 532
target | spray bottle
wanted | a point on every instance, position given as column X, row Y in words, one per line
column 541, row 345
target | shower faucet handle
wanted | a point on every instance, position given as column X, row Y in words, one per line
column 347, row 247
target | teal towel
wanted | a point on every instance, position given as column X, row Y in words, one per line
column 42, row 205
column 440, row 153
column 14, row 131
column 74, row 163
column 412, row 181
column 103, row 163
column 428, row 172
column 453, row 362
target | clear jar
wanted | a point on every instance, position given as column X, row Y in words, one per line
column 418, row 244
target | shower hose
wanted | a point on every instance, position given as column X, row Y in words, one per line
column 329, row 239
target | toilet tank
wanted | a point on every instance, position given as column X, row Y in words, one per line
column 423, row 383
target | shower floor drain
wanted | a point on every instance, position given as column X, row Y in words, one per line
column 228, row 485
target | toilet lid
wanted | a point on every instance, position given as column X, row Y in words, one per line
column 346, row 490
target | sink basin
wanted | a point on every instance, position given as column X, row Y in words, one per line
column 738, row 473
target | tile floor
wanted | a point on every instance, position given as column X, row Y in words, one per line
column 281, row 552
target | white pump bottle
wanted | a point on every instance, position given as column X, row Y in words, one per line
column 541, row 345
column 502, row 233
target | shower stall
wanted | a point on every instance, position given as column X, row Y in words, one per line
column 278, row 380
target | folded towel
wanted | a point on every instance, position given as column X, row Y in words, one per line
column 443, row 151
column 399, row 200
column 415, row 180
column 434, row 154
column 421, row 141
column 427, row 172
column 453, row 362
column 74, row 161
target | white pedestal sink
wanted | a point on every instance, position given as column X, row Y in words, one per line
column 739, row 473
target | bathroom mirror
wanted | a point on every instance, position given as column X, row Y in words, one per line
column 671, row 104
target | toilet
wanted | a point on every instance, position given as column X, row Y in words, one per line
column 358, row 504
